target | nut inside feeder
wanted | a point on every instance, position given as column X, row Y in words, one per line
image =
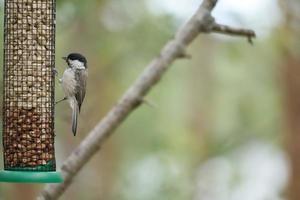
column 28, row 104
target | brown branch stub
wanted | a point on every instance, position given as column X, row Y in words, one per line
column 184, row 55
column 224, row 29
column 201, row 21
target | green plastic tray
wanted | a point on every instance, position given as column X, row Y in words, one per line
column 30, row 177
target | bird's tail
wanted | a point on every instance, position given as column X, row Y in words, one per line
column 75, row 112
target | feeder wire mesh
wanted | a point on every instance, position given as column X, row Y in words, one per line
column 28, row 104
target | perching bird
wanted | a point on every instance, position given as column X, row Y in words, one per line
column 73, row 83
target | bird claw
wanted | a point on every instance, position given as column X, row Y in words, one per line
column 55, row 72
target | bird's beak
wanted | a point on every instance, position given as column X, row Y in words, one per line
column 64, row 58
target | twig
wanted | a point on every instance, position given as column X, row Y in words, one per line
column 219, row 28
column 202, row 21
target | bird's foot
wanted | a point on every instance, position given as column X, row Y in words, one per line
column 55, row 72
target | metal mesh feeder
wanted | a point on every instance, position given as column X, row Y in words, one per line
column 28, row 100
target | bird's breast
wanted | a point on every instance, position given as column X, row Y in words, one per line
column 69, row 82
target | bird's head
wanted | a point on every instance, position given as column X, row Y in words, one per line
column 76, row 61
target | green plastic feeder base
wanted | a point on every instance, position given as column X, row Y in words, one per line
column 30, row 177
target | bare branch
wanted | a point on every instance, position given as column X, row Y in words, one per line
column 219, row 28
column 201, row 21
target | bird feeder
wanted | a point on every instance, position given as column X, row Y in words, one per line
column 28, row 99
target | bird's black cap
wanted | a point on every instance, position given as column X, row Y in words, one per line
column 76, row 56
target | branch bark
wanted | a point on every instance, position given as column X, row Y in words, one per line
column 219, row 28
column 201, row 21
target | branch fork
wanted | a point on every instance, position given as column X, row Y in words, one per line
column 209, row 25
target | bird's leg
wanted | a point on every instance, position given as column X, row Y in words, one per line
column 65, row 98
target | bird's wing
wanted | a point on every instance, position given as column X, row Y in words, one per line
column 81, row 77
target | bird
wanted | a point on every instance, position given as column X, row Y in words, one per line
column 73, row 83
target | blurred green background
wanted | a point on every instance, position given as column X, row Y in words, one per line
column 221, row 125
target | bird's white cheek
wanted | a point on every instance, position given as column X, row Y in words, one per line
column 76, row 64
column 80, row 67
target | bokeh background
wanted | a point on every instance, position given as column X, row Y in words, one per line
column 225, row 122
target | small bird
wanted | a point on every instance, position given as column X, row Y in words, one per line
column 73, row 83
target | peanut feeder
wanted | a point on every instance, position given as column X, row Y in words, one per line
column 28, row 100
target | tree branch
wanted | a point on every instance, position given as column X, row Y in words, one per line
column 219, row 28
column 202, row 21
